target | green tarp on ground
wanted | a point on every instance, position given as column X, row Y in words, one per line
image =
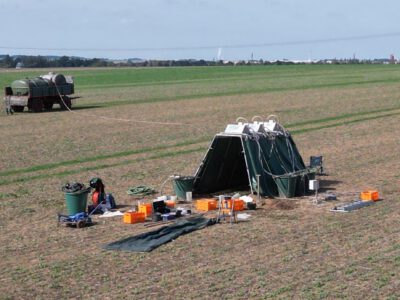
column 233, row 162
column 148, row 241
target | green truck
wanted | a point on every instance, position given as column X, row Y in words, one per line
column 39, row 93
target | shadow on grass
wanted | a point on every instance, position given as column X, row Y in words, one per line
column 71, row 225
column 328, row 185
column 57, row 109
column 80, row 107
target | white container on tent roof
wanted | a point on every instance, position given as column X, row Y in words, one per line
column 239, row 128
column 257, row 127
column 270, row 125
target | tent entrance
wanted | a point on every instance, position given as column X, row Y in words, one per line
column 224, row 167
column 235, row 161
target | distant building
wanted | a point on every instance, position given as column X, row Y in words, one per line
column 392, row 60
column 19, row 65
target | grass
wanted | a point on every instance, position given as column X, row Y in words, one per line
column 216, row 81
column 288, row 249
column 239, row 91
column 344, row 123
column 75, row 162
column 344, row 116
column 96, row 158
column 100, row 166
column 202, row 140
column 97, row 101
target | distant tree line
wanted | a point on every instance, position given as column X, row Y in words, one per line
column 26, row 61
column 7, row 61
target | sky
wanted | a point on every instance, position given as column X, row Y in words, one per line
column 201, row 29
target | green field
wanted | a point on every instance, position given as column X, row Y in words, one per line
column 288, row 249
column 145, row 85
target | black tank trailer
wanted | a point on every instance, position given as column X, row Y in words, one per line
column 39, row 93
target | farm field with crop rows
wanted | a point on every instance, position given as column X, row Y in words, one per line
column 288, row 248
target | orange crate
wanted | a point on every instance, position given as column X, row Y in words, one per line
column 238, row 204
column 146, row 208
column 170, row 203
column 134, row 217
column 206, row 204
column 369, row 195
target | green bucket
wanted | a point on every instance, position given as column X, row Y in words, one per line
column 76, row 202
column 286, row 185
column 301, row 183
column 303, row 179
column 182, row 185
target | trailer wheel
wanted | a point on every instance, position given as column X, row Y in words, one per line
column 66, row 104
column 48, row 105
column 17, row 108
column 81, row 224
column 36, row 105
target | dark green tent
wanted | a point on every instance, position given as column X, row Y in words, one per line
column 233, row 162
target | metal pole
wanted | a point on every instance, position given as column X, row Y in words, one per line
column 258, row 186
column 247, row 166
column 220, row 203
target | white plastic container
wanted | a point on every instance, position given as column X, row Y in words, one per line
column 189, row 196
column 313, row 185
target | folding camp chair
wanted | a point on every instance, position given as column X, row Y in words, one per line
column 317, row 163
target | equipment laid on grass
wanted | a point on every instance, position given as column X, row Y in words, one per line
column 39, row 93
column 159, row 210
column 330, row 197
column 99, row 196
column 80, row 219
column 141, row 191
column 367, row 198
column 352, row 206
column 159, row 206
column 236, row 157
column 369, row 195
column 170, row 203
column 110, row 214
column 184, row 211
column 168, row 216
column 76, row 202
column 238, row 204
column 146, row 208
column 206, row 204
column 156, row 217
column 243, row 216
column 251, row 205
column 132, row 217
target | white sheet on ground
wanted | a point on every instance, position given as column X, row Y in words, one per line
column 109, row 214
